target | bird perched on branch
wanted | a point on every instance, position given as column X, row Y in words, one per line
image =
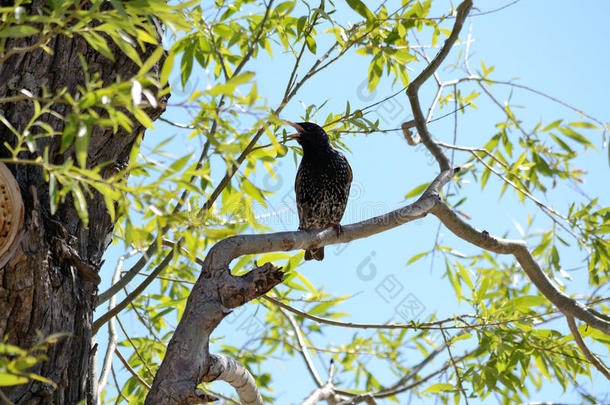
column 322, row 183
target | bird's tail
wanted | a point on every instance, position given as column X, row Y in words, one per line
column 317, row 254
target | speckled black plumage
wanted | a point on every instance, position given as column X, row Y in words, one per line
column 322, row 183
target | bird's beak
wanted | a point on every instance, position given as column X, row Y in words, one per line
column 299, row 129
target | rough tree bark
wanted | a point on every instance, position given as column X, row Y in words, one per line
column 50, row 284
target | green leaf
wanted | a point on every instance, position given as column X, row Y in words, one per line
column 289, row 283
column 301, row 24
column 98, row 43
column 223, row 31
column 186, row 64
column 542, row 366
column 80, row 204
column 285, row 7
column 375, row 71
column 440, row 387
column 253, row 191
column 18, row 31
column 552, row 125
column 403, row 57
column 7, row 379
column 486, row 173
column 125, row 43
column 417, row 257
column 417, row 190
column 311, row 44
column 110, row 206
column 525, row 302
column 11, row 350
column 306, row 282
column 81, row 144
column 541, row 165
column 569, row 132
column 228, row 87
column 143, row 118
column 152, row 59
column 361, row 9
column 486, row 71
column 583, row 125
column 180, row 163
column 563, row 145
column 69, row 133
column 168, row 65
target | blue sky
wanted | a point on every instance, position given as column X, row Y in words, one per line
column 558, row 47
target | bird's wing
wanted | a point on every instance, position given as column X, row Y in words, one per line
column 349, row 171
column 297, row 181
column 349, row 168
column 303, row 208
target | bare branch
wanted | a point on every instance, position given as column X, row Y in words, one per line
column 462, row 13
column 483, row 239
column 217, row 291
column 134, row 294
column 585, row 350
column 112, row 334
column 323, row 393
column 455, row 367
column 326, row 392
column 187, row 361
column 304, row 349
column 131, row 370
column 385, row 393
column 227, row 369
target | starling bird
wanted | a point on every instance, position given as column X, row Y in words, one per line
column 322, row 183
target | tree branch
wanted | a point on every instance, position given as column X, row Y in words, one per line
column 134, row 294
column 420, row 120
column 112, row 334
column 304, row 348
column 227, row 369
column 385, row 393
column 455, row 367
column 483, row 239
column 325, row 392
column 187, row 360
column 585, row 350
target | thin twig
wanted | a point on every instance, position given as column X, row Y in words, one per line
column 455, row 367
column 304, row 349
column 135, row 348
column 119, row 390
column 435, row 325
column 134, row 294
column 132, row 371
column 112, row 334
column 462, row 13
column 585, row 350
column 257, row 36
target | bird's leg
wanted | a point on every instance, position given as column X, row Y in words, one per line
column 338, row 228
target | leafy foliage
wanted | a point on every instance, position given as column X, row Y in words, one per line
column 192, row 199
column 16, row 363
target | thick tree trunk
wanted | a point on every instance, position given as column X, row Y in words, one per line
column 50, row 284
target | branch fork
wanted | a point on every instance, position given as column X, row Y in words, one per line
column 188, row 361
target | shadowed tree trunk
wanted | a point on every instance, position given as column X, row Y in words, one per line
column 50, row 283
